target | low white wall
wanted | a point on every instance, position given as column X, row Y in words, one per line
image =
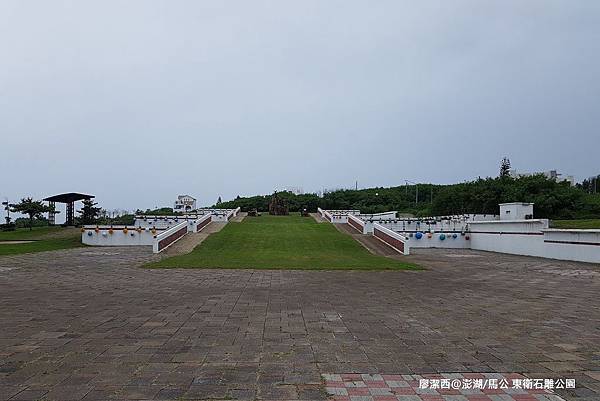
column 163, row 222
column 325, row 214
column 158, row 231
column 224, row 214
column 356, row 224
column 345, row 211
column 482, row 232
column 520, row 237
column 168, row 237
column 378, row 216
column 580, row 245
column 337, row 216
column 201, row 223
column 391, row 238
column 168, row 221
column 117, row 236
column 452, row 240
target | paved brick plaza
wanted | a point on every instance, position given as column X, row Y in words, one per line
column 89, row 324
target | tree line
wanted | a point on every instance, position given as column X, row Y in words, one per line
column 554, row 200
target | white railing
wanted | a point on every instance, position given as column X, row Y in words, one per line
column 356, row 223
column 167, row 238
column 393, row 239
column 201, row 223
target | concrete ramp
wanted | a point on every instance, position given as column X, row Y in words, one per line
column 371, row 243
column 192, row 240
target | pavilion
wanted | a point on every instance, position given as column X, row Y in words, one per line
column 69, row 199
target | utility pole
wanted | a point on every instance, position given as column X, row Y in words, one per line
column 416, row 191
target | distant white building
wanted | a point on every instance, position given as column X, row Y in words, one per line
column 295, row 190
column 184, row 203
column 550, row 174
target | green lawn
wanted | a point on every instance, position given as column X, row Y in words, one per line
column 281, row 242
column 44, row 239
column 583, row 224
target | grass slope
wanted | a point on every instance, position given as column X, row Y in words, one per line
column 281, row 242
column 44, row 239
column 583, row 224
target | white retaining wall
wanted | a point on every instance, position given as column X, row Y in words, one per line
column 116, row 236
column 168, row 237
column 325, row 214
column 168, row 221
column 224, row 214
column 391, row 238
column 356, row 224
column 337, row 216
column 582, row 245
column 520, row 237
column 163, row 222
column 158, row 231
column 378, row 216
column 202, row 222
column 453, row 240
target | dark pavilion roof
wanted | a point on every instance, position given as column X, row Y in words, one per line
column 68, row 197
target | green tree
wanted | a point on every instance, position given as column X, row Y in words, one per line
column 89, row 212
column 34, row 209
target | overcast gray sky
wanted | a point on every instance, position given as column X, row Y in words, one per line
column 138, row 101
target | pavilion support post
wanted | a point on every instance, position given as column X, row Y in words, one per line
column 70, row 214
column 52, row 213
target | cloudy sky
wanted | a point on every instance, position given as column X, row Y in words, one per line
column 138, row 101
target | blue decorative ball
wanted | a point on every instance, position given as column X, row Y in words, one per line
column 419, row 235
column 454, row 236
column 442, row 237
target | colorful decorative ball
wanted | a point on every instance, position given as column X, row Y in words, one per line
column 442, row 237
column 467, row 237
column 454, row 235
column 89, row 233
column 419, row 235
column 429, row 235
